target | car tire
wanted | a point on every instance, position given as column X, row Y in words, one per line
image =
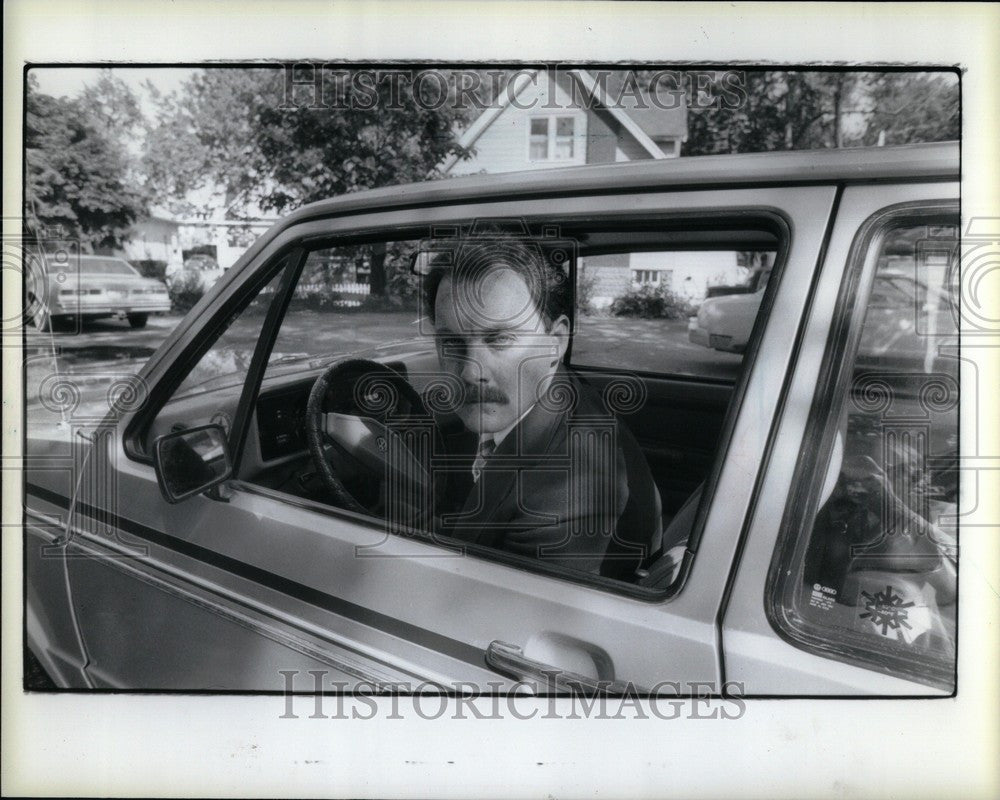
column 137, row 320
column 41, row 317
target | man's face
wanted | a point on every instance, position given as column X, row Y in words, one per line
column 491, row 336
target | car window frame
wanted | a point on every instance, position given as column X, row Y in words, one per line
column 784, row 232
column 829, row 400
column 287, row 258
column 684, row 207
column 736, row 218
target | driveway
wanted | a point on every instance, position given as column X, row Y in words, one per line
column 648, row 345
column 68, row 375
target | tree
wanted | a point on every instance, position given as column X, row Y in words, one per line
column 760, row 123
column 113, row 107
column 913, row 107
column 203, row 135
column 77, row 176
column 781, row 111
column 809, row 110
column 276, row 146
column 313, row 152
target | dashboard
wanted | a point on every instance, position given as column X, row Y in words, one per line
column 281, row 422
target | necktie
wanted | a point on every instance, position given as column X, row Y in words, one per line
column 486, row 448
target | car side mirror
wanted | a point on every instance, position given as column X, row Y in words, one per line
column 191, row 460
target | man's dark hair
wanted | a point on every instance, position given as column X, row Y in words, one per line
column 470, row 258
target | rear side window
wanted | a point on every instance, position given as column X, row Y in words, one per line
column 869, row 574
column 104, row 266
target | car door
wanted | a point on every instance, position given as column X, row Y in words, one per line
column 247, row 589
column 847, row 583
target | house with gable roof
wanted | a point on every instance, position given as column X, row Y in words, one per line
column 557, row 118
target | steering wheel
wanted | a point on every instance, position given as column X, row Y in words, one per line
column 359, row 413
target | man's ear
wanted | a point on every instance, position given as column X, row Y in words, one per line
column 560, row 331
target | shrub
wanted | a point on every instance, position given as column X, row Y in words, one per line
column 403, row 284
column 651, row 302
column 185, row 289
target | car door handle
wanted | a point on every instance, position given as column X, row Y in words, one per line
column 509, row 659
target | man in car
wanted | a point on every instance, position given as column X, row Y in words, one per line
column 549, row 472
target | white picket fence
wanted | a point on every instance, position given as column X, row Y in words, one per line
column 360, row 290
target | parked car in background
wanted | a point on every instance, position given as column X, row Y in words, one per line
column 724, row 321
column 229, row 527
column 902, row 311
column 91, row 287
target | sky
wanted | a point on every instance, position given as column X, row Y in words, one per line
column 69, row 81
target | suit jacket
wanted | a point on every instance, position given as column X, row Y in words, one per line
column 568, row 486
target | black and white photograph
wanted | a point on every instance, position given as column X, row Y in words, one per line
column 559, row 395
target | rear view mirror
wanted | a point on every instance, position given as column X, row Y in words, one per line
column 189, row 461
column 432, row 254
column 420, row 262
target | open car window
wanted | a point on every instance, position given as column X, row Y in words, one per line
column 210, row 389
column 350, row 300
column 367, row 302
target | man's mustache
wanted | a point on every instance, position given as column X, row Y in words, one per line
column 474, row 395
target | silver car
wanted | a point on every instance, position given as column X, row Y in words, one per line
column 190, row 540
column 77, row 288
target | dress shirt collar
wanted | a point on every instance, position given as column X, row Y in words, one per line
column 499, row 436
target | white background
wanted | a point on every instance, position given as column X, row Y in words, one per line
column 237, row 746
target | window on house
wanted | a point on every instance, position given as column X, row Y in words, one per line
column 539, row 147
column 564, row 138
column 552, row 139
column 646, row 277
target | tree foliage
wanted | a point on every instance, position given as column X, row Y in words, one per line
column 79, row 174
column 784, row 110
column 277, row 147
column 113, row 107
column 913, row 107
column 272, row 144
column 203, row 135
